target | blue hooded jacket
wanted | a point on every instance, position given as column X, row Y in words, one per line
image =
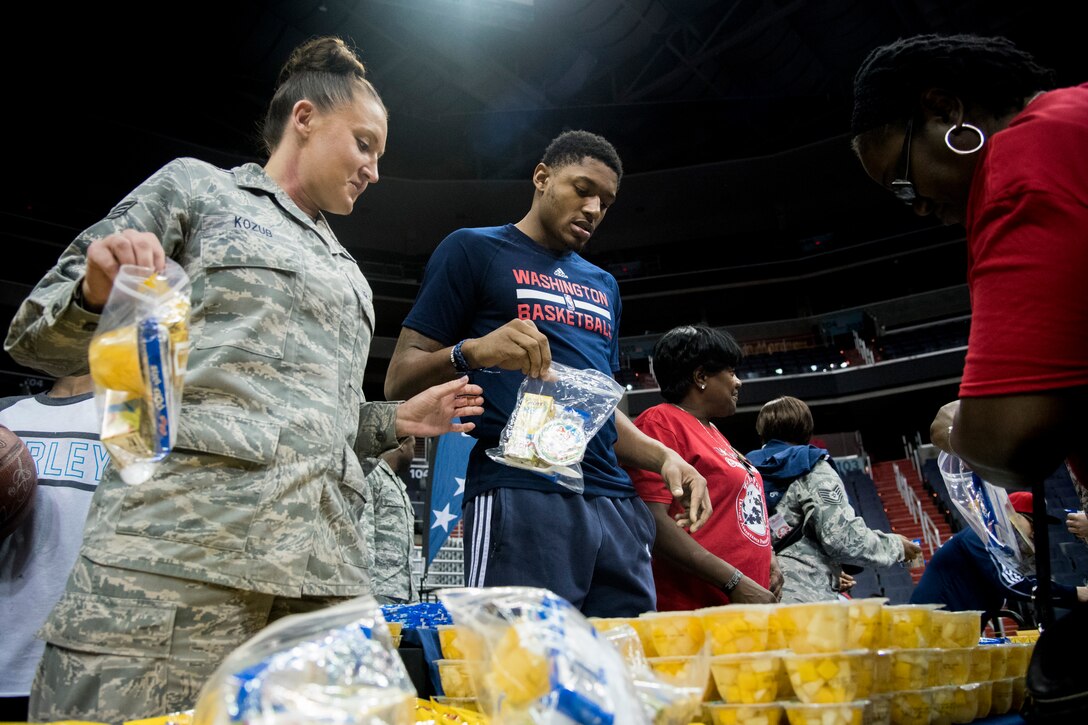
column 781, row 464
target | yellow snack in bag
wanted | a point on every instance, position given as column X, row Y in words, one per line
column 520, row 675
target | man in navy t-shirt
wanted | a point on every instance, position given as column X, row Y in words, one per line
column 501, row 303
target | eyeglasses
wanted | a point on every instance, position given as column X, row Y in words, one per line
column 903, row 187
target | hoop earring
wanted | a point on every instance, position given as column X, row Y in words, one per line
column 969, row 127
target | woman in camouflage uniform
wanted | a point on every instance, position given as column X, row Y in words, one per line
column 255, row 514
column 804, row 487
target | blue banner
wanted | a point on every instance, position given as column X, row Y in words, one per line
column 447, row 488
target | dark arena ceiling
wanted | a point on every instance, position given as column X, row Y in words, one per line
column 731, row 117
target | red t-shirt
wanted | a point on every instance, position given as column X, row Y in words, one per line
column 737, row 530
column 1027, row 237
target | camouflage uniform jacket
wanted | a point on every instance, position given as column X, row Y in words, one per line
column 389, row 521
column 833, row 535
column 264, row 489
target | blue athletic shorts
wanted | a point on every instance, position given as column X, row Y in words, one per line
column 594, row 551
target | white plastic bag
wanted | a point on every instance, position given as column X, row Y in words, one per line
column 335, row 666
column 138, row 357
column 543, row 662
column 553, row 421
column 987, row 510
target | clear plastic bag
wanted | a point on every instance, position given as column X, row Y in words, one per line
column 543, row 662
column 336, row 666
column 987, row 510
column 554, row 419
column 674, row 700
column 138, row 357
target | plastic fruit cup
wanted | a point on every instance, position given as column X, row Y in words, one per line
column 690, row 671
column 641, row 627
column 912, row 707
column 815, row 627
column 724, row 713
column 674, row 634
column 879, row 709
column 985, row 698
column 955, row 629
column 830, row 676
column 455, row 678
column 1019, row 693
column 836, row 713
column 965, row 703
column 980, row 663
column 908, row 626
column 623, row 637
column 910, row 668
column 999, row 661
column 944, row 703
column 1001, row 696
column 951, row 667
column 395, row 628
column 459, row 643
column 736, row 628
column 866, row 674
column 1017, row 657
column 747, row 678
column 866, row 619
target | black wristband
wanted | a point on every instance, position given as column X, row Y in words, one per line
column 460, row 364
column 734, row 580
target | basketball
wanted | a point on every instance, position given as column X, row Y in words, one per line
column 18, row 481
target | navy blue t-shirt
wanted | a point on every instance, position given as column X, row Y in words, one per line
column 479, row 279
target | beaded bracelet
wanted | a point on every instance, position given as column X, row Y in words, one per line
column 457, row 358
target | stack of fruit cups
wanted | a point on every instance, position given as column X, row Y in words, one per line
column 830, row 676
column 460, row 647
column 455, row 677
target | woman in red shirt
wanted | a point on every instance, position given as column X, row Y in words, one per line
column 730, row 556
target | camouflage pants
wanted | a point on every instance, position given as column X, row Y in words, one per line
column 124, row 645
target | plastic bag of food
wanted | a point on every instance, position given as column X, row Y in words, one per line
column 336, row 666
column 987, row 510
column 553, row 421
column 542, row 660
column 138, row 357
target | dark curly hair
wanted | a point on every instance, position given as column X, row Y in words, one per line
column 683, row 350
column 570, row 147
column 989, row 71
